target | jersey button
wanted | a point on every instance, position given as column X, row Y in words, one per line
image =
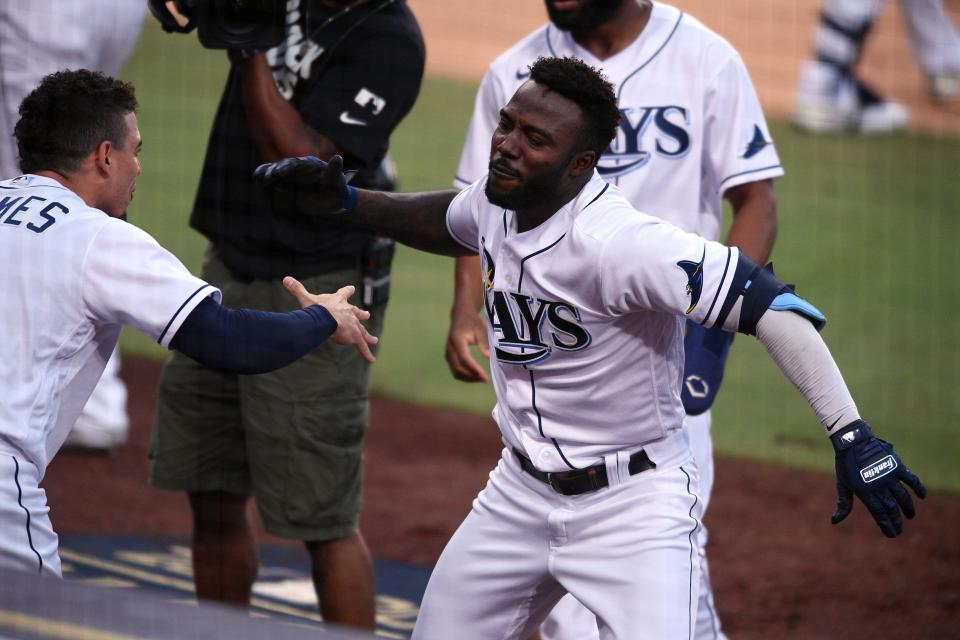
column 545, row 455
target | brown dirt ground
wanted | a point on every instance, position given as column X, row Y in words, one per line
column 779, row 569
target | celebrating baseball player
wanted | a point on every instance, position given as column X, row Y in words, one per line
column 72, row 272
column 586, row 298
column 675, row 81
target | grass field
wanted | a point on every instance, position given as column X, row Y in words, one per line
column 869, row 231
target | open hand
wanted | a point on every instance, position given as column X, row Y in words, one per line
column 350, row 330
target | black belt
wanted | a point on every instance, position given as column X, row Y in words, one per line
column 577, row 481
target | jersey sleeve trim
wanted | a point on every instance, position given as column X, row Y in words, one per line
column 773, row 171
column 720, row 288
column 180, row 314
column 453, row 234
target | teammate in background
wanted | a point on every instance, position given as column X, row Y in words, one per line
column 90, row 34
column 832, row 99
column 72, row 272
column 586, row 300
column 691, row 134
column 344, row 78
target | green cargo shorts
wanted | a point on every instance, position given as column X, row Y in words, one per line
column 292, row 438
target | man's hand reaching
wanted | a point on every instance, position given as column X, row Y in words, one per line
column 319, row 187
column 349, row 328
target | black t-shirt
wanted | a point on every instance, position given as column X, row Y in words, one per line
column 352, row 75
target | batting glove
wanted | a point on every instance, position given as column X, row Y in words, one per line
column 318, row 186
column 868, row 467
column 706, row 353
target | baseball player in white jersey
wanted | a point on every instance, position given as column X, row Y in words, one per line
column 596, row 493
column 90, row 34
column 692, row 132
column 72, row 272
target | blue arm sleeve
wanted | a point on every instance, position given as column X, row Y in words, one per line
column 249, row 341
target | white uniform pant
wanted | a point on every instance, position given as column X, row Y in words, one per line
column 570, row 620
column 27, row 539
column 629, row 552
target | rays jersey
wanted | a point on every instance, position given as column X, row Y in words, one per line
column 70, row 277
column 585, row 320
column 691, row 124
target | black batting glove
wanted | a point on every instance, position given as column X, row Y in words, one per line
column 319, row 187
column 868, row 467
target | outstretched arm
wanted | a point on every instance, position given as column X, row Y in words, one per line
column 250, row 341
column 415, row 219
column 865, row 466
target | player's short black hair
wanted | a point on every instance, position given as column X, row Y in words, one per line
column 68, row 115
column 577, row 81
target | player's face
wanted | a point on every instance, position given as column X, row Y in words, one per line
column 581, row 15
column 532, row 148
column 125, row 163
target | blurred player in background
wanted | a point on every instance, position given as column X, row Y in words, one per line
column 831, row 98
column 341, row 81
column 692, row 134
column 38, row 37
column 72, row 272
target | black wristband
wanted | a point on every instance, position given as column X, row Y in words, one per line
column 856, row 431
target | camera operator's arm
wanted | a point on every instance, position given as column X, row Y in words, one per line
column 277, row 127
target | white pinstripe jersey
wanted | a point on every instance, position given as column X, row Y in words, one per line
column 585, row 320
column 691, row 124
column 70, row 277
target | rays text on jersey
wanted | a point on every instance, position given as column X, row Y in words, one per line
column 518, row 323
column 628, row 152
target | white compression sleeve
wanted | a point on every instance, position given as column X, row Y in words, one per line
column 800, row 352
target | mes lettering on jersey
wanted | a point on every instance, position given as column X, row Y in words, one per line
column 34, row 213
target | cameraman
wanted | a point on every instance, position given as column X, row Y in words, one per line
column 346, row 74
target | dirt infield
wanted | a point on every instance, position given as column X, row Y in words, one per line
column 773, row 36
column 779, row 569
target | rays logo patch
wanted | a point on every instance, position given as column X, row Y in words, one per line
column 757, row 144
column 694, row 271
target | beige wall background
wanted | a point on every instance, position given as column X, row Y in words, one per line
column 773, row 36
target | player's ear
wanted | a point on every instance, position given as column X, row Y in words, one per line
column 103, row 157
column 582, row 162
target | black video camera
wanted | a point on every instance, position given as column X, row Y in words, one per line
column 225, row 24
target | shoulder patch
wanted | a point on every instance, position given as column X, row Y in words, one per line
column 757, row 144
column 694, row 271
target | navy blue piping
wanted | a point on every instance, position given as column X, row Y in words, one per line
column 546, row 35
column 602, row 191
column 463, row 180
column 533, row 401
column 504, row 223
column 536, row 253
column 743, row 173
column 174, row 316
column 650, row 59
column 690, row 539
column 716, row 295
column 16, row 472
